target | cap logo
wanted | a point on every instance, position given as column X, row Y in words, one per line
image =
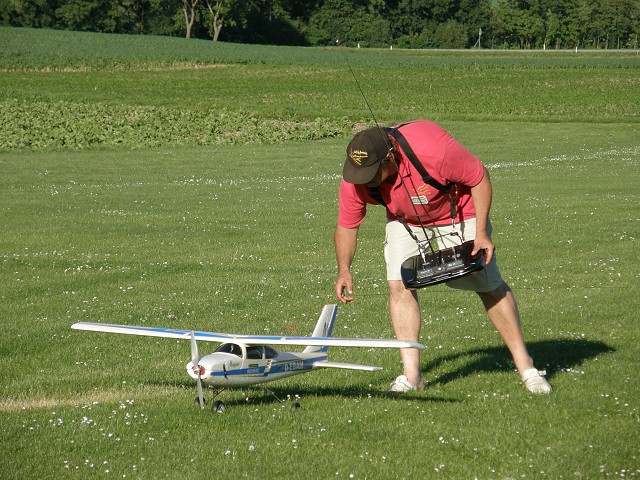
column 357, row 156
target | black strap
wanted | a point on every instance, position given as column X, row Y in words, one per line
column 406, row 148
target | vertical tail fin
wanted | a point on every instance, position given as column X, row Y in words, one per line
column 324, row 327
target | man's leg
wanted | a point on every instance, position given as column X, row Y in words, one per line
column 503, row 311
column 405, row 317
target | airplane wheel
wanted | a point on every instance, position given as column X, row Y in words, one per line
column 197, row 401
column 296, row 405
column 217, row 407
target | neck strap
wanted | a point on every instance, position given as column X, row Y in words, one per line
column 408, row 151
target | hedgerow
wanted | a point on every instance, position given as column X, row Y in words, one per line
column 40, row 125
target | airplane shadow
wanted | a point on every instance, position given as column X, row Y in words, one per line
column 277, row 393
column 552, row 355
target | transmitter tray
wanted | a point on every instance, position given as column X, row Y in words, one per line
column 448, row 264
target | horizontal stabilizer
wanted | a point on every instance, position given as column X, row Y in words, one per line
column 246, row 339
column 346, row 366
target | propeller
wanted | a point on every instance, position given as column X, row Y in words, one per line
column 194, row 360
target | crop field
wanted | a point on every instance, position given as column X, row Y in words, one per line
column 186, row 184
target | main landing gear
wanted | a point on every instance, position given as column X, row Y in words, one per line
column 219, row 406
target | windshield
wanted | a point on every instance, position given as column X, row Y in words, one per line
column 231, row 348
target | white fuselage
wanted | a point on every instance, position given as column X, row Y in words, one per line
column 234, row 365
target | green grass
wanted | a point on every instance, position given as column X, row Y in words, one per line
column 51, row 50
column 238, row 238
column 225, row 240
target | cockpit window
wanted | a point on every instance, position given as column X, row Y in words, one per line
column 255, row 352
column 270, row 352
column 231, row 348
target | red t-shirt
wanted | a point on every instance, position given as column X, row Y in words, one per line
column 444, row 159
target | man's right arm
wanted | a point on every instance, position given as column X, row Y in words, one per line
column 345, row 240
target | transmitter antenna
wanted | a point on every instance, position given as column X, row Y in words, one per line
column 346, row 60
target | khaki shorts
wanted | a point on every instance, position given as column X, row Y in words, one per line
column 398, row 246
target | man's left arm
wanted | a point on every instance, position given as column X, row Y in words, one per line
column 481, row 195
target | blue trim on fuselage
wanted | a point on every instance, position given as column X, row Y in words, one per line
column 290, row 367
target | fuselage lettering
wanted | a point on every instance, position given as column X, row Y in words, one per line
column 291, row 366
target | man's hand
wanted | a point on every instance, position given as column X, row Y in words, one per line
column 485, row 246
column 344, row 288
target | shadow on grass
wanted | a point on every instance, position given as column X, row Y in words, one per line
column 287, row 396
column 551, row 355
column 272, row 393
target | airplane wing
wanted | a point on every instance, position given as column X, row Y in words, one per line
column 346, row 366
column 246, row 339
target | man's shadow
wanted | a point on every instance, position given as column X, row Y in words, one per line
column 549, row 355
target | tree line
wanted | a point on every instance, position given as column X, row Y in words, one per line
column 524, row 24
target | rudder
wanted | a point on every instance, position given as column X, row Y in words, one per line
column 324, row 327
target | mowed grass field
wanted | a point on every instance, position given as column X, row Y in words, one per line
column 131, row 194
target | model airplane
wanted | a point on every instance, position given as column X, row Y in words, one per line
column 244, row 360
